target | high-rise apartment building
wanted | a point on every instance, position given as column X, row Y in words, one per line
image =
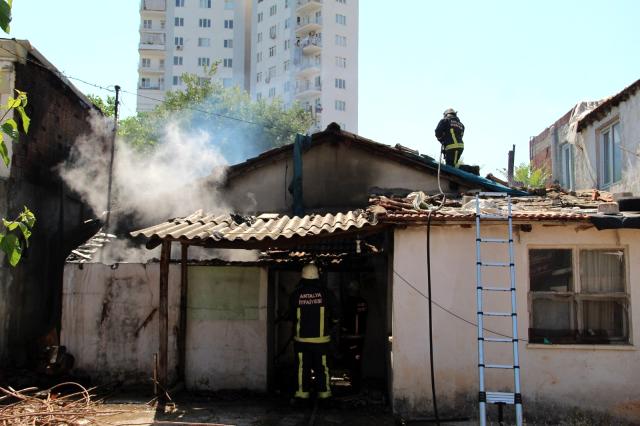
column 302, row 51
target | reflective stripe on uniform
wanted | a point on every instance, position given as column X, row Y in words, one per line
column 300, row 393
column 321, row 321
column 455, row 143
column 323, row 339
column 327, row 393
column 298, row 314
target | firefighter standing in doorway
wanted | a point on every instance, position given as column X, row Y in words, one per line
column 314, row 312
column 354, row 328
column 449, row 132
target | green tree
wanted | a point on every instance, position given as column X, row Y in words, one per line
column 108, row 106
column 208, row 104
column 16, row 233
column 530, row 176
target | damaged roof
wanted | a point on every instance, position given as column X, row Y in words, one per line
column 203, row 228
column 399, row 153
column 605, row 107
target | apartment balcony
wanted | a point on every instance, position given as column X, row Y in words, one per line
column 308, row 6
column 152, row 41
column 153, row 87
column 308, row 24
column 307, row 69
column 307, row 88
column 150, row 70
column 311, row 45
column 153, row 6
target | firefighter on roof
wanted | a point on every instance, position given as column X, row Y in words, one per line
column 449, row 132
column 314, row 311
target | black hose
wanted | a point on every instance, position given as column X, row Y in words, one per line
column 433, row 381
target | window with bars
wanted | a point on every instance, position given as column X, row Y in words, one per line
column 578, row 295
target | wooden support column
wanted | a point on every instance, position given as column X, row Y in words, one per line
column 182, row 330
column 163, row 315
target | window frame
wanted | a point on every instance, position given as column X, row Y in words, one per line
column 577, row 298
column 606, row 180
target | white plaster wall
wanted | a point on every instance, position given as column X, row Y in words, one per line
column 587, row 173
column 586, row 376
column 102, row 309
column 227, row 328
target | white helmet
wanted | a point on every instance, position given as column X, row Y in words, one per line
column 310, row 272
column 450, row 111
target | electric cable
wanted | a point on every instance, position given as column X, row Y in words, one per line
column 431, row 363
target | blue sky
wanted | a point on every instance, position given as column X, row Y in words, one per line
column 509, row 67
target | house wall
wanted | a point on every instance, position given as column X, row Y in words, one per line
column 110, row 324
column 336, row 176
column 587, row 170
column 591, row 377
column 30, row 293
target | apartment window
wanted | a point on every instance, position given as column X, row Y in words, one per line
column 610, row 166
column 204, row 42
column 161, row 64
column 205, row 4
column 229, row 4
column 273, row 10
column 258, row 96
column 179, row 22
column 146, row 62
column 272, row 92
column 578, row 295
column 177, row 60
column 286, row 4
column 179, row 3
column 178, row 41
column 272, row 72
column 163, row 24
column 287, row 86
column 227, row 63
column 228, row 23
column 273, row 31
column 177, row 80
column 203, row 80
column 204, row 62
column 287, row 23
column 287, row 44
column 566, row 162
column 341, row 83
column 260, row 17
column 342, row 1
column 341, row 19
column 341, row 62
column 259, row 37
column 259, row 57
column 272, row 51
column 228, row 43
column 341, row 40
column 147, row 24
column 286, row 65
column 145, row 83
column 259, row 77
column 340, row 105
column 204, row 23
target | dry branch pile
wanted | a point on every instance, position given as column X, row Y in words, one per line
column 32, row 406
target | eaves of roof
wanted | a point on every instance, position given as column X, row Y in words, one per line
column 603, row 109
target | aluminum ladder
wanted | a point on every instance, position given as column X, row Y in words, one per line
column 489, row 397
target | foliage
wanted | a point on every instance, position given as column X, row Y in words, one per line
column 531, row 177
column 224, row 112
column 16, row 232
column 108, row 106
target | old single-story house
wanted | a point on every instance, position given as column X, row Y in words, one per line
column 215, row 324
column 30, row 293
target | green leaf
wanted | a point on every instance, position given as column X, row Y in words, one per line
column 9, row 225
column 28, row 217
column 12, row 102
column 26, row 233
column 10, row 244
column 24, row 117
column 5, row 15
column 4, row 152
column 10, row 128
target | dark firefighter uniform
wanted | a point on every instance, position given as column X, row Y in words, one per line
column 354, row 325
column 315, row 316
column 450, row 132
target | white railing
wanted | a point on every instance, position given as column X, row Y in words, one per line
column 309, row 20
column 155, row 5
column 305, row 2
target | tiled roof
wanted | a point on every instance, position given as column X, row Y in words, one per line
column 228, row 227
column 556, row 207
column 603, row 109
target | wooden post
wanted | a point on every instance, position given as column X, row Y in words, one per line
column 182, row 330
column 163, row 314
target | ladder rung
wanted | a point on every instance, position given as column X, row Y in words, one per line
column 494, row 216
column 498, row 339
column 499, row 264
column 493, row 240
column 497, row 288
column 496, row 314
column 500, row 366
column 501, row 398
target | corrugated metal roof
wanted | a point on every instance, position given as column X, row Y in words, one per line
column 227, row 227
